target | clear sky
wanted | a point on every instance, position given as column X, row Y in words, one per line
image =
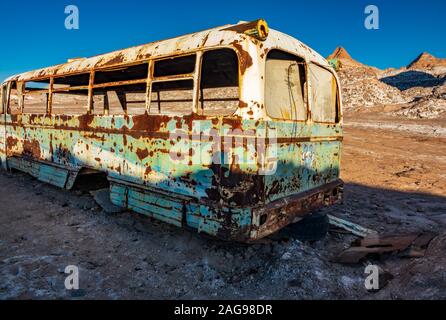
column 33, row 34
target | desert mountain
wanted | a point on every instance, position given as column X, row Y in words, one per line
column 342, row 55
column 426, row 61
column 415, row 91
column 360, row 83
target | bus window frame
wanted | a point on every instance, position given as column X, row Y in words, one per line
column 93, row 86
column 239, row 80
column 306, row 88
column 36, row 92
column 195, row 76
column 338, row 115
column 67, row 89
column 8, row 97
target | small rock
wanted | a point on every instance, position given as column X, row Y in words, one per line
column 286, row 256
column 102, row 198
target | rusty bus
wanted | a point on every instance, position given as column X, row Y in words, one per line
column 144, row 115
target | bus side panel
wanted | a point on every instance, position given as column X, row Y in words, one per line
column 152, row 151
column 159, row 165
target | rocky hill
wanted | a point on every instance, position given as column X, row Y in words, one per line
column 426, row 61
column 341, row 54
column 415, row 91
column 361, row 86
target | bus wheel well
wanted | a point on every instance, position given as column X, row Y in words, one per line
column 89, row 179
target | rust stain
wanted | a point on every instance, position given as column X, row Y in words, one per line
column 31, row 148
column 11, row 142
column 146, row 122
column 142, row 153
column 244, row 56
column 235, row 123
column 51, row 147
column 85, row 121
column 119, row 58
column 242, row 104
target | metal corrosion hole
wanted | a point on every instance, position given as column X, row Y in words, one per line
column 335, row 192
column 263, row 219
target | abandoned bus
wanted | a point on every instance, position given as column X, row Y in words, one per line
column 234, row 131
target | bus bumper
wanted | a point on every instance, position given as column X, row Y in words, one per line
column 278, row 214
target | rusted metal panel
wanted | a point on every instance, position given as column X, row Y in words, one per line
column 275, row 215
column 44, row 172
column 308, row 157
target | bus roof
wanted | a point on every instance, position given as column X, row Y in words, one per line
column 228, row 35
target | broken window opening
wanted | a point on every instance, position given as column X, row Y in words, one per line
column 36, row 97
column 285, row 86
column 73, row 102
column 70, row 95
column 172, row 97
column 67, row 82
column 219, row 86
column 172, row 87
column 129, row 99
column 324, row 91
column 174, row 66
column 121, row 91
column 123, row 74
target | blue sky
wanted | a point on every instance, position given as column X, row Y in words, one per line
column 34, row 36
